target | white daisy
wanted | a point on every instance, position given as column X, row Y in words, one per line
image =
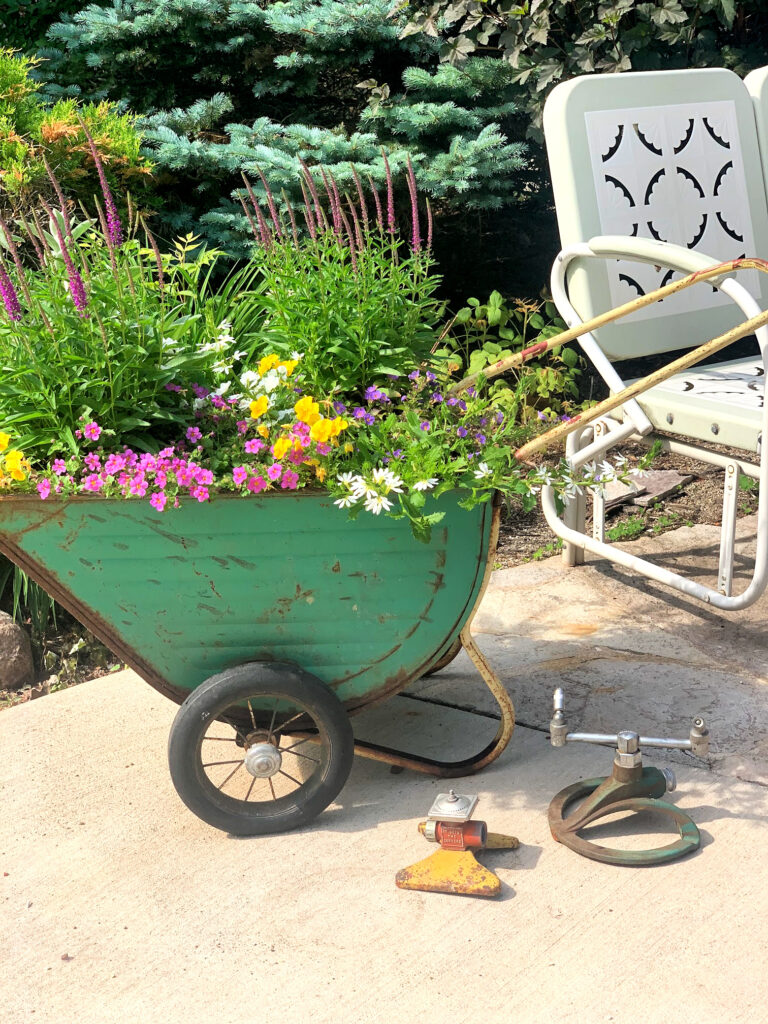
column 345, row 479
column 425, row 485
column 483, row 470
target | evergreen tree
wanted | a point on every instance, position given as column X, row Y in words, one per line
column 234, row 85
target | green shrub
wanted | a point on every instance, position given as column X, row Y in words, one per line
column 548, row 42
column 31, row 133
column 23, row 23
column 227, row 86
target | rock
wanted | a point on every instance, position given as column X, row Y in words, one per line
column 616, row 493
column 16, row 665
column 658, row 484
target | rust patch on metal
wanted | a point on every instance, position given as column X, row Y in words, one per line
column 336, row 567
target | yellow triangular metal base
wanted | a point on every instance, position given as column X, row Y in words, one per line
column 450, row 871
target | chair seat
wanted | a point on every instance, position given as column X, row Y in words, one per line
column 722, row 402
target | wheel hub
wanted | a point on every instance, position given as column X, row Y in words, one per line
column 263, row 760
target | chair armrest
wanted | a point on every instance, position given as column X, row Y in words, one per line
column 648, row 250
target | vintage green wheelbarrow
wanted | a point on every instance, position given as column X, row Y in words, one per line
column 270, row 621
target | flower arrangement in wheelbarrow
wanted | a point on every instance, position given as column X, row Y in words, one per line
column 136, row 374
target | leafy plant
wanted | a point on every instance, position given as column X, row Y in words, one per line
column 484, row 333
column 23, row 23
column 32, row 134
column 547, row 42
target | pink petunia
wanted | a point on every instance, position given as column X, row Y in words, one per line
column 274, row 471
column 92, row 483
column 44, row 488
column 193, row 434
column 201, row 493
column 92, row 431
column 59, row 467
column 290, row 480
column 239, row 475
column 242, row 426
column 254, row 446
column 256, row 484
column 158, row 500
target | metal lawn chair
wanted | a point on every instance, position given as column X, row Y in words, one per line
column 655, row 175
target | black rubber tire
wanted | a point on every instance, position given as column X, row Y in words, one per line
column 257, row 680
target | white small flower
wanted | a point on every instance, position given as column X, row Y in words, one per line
column 359, row 487
column 376, row 502
column 345, row 479
column 620, row 460
column 483, row 470
column 425, row 485
column 387, row 479
column 240, row 355
column 346, row 501
column 223, row 388
column 249, row 379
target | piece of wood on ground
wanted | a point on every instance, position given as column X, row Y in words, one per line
column 658, row 484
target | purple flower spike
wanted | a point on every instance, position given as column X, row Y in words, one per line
column 114, row 227
column 9, row 296
column 415, row 228
column 76, row 286
column 390, row 196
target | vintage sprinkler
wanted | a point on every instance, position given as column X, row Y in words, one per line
column 631, row 787
column 454, row 868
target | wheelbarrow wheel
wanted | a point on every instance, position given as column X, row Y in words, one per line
column 260, row 748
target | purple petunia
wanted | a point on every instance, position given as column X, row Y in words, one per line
column 425, row 425
column 462, row 431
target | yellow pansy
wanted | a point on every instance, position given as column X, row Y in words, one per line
column 268, row 363
column 321, row 430
column 320, row 473
column 337, row 425
column 259, row 407
column 289, row 366
column 14, row 458
column 17, row 474
column 307, row 410
column 263, row 430
column 349, row 447
column 4, row 440
column 282, row 445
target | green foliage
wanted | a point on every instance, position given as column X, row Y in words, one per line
column 23, row 23
column 355, row 322
column 31, row 133
column 484, row 333
column 547, row 42
column 629, row 529
column 225, row 86
column 110, row 356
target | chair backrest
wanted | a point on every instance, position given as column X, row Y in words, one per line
column 670, row 155
column 756, row 83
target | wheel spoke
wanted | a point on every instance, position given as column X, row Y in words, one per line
column 253, row 783
column 285, row 724
column 253, row 720
column 220, row 739
column 272, row 723
column 298, row 753
column 288, row 777
column 285, row 750
column 240, row 765
column 272, row 787
column 210, row 764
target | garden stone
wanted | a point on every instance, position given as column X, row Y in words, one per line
column 16, row 665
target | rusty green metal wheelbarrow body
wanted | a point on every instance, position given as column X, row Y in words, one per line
column 269, row 620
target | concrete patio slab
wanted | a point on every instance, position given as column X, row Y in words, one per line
column 120, row 906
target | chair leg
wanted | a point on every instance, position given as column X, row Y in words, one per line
column 728, row 528
column 575, row 513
